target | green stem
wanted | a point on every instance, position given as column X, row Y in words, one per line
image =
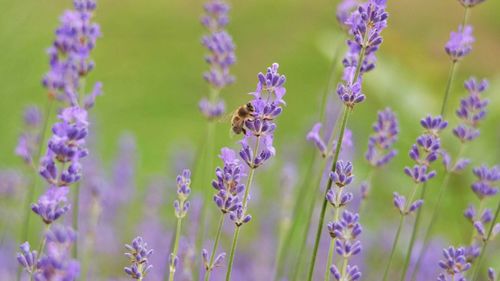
column 76, row 207
column 344, row 267
column 393, row 250
column 208, row 164
column 413, row 235
column 231, row 256
column 244, row 205
column 428, row 231
column 396, row 238
column 284, row 248
column 310, row 211
column 329, row 86
column 451, row 76
column 216, row 244
column 345, row 117
column 331, row 250
column 483, row 249
column 176, row 247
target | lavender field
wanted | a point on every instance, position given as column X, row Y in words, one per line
column 250, row 140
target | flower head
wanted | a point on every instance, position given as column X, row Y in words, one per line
column 181, row 205
column 52, row 205
column 460, row 43
column 227, row 182
column 485, row 186
column 454, row 262
column 138, row 254
column 470, row 3
column 385, row 134
column 27, row 258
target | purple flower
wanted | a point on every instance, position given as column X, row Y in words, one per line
column 487, row 178
column 454, row 262
column 52, row 204
column 69, row 54
column 27, row 258
column 460, row 43
column 227, row 182
column 470, row 3
column 138, row 254
column 212, row 110
column 492, row 276
column 343, row 174
column 239, row 216
column 344, row 10
column 181, row 205
column 350, row 94
column 352, row 273
column 433, row 125
column 315, row 137
column 216, row 15
column 57, row 263
column 29, row 140
column 32, row 116
column 419, row 173
column 457, row 167
column 386, row 131
column 399, row 202
column 472, row 110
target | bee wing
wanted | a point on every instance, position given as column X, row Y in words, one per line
column 226, row 118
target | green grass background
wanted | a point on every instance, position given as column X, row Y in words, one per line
column 150, row 61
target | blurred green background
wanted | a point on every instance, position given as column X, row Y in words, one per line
column 151, row 62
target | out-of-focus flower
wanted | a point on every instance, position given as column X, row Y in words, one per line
column 460, row 43
column 52, row 205
column 386, row 131
column 138, row 254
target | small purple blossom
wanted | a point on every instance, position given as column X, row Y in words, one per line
column 492, row 275
column 454, row 262
column 419, row 173
column 27, row 258
column 399, row 201
column 138, row 254
column 487, row 179
column 460, row 43
column 212, row 110
column 343, row 174
column 181, row 205
column 433, row 125
column 385, row 135
column 315, row 137
column 227, row 182
column 239, row 216
column 350, row 94
column 352, row 273
column 52, row 205
column 344, row 10
column 457, row 167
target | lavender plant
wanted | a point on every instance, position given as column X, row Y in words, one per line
column 181, row 206
column 366, row 23
column 138, row 253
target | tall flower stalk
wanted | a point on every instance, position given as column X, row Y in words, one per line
column 220, row 58
column 257, row 144
column 424, row 152
column 365, row 25
column 227, row 199
column 471, row 112
column 138, row 254
column 181, row 206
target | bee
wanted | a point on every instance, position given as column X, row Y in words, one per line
column 240, row 115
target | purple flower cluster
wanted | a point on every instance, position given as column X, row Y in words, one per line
column 52, row 204
column 346, row 230
column 314, row 136
column 138, row 254
column 181, row 205
column 454, row 264
column 220, row 58
column 399, row 202
column 268, row 98
column 228, row 182
column 344, row 10
column 460, row 43
column 492, row 275
column 56, row 263
column 471, row 111
column 29, row 140
column 380, row 143
column 487, row 178
column 69, row 55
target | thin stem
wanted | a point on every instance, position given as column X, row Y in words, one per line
column 208, row 164
column 331, row 250
column 451, row 76
column 466, row 16
column 284, row 248
column 413, row 235
column 428, row 231
column 394, row 245
column 329, row 86
column 485, row 243
column 244, row 205
column 176, row 247
column 231, row 256
column 216, row 244
column 345, row 117
column 310, row 211
column 344, row 267
column 76, row 207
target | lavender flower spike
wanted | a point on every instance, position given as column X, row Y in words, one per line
column 181, row 205
column 27, row 258
column 52, row 205
column 386, row 130
column 453, row 264
column 138, row 254
column 487, row 179
column 227, row 183
column 460, row 43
